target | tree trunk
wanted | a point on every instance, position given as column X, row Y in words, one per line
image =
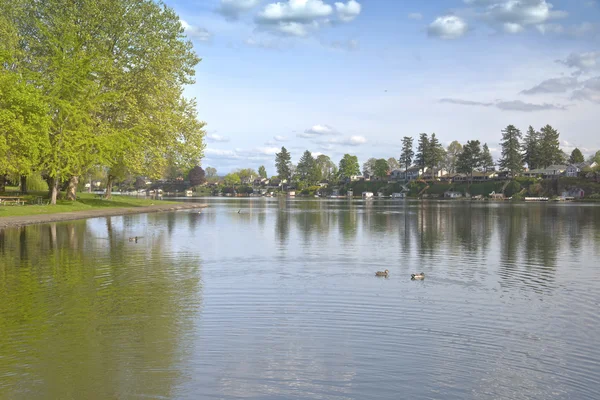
column 23, row 184
column 2, row 183
column 72, row 189
column 109, row 185
column 53, row 185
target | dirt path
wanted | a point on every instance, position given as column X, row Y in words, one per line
column 15, row 221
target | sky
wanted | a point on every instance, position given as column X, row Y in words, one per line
column 355, row 76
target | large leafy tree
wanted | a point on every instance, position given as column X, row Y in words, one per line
column 211, row 172
column 393, row 164
column 197, row 176
column 308, row 171
column 232, row 179
column 348, row 166
column 436, row 154
column 369, row 167
column 423, row 154
column 470, row 158
column 531, row 148
column 407, row 153
column 512, row 159
column 576, row 156
column 326, row 167
column 550, row 152
column 487, row 162
column 283, row 161
column 452, row 153
column 381, row 168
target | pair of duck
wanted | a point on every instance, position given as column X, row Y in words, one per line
column 417, row 277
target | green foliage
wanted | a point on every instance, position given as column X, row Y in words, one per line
column 348, row 166
column 393, row 164
column 487, row 162
column 232, row 179
column 326, row 167
column 512, row 188
column 470, row 157
column 452, row 153
column 576, row 157
column 196, row 176
column 369, row 167
column 407, row 154
column 423, row 154
column 512, row 159
column 531, row 149
column 381, row 168
column 308, row 171
column 262, row 171
column 283, row 161
column 211, row 172
column 550, row 152
column 436, row 154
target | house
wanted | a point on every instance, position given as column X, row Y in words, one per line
column 551, row 171
column 323, row 184
column 367, row 195
column 477, row 177
column 291, row 193
column 576, row 193
column 573, row 170
column 451, row 194
column 356, row 178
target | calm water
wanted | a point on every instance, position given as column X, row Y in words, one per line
column 280, row 301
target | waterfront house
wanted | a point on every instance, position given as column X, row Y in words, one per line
column 551, row 171
column 575, row 193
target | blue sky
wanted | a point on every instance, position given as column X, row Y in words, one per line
column 355, row 76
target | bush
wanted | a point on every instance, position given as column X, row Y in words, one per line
column 512, row 189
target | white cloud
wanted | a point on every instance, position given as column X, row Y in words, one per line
column 349, row 141
column 511, row 27
column 582, row 62
column 196, row 33
column 415, row 16
column 300, row 11
column 347, row 45
column 356, row 140
column 514, row 105
column 232, row 9
column 555, row 85
column 316, row 131
column 264, row 43
column 581, row 30
column 280, row 138
column 349, row 11
column 213, row 137
column 448, row 27
column 589, row 91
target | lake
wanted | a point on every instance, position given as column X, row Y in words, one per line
column 277, row 299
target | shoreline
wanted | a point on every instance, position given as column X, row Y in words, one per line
column 22, row 220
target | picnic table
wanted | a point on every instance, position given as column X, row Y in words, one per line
column 9, row 200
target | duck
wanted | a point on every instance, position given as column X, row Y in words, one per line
column 418, row 277
column 134, row 239
column 382, row 273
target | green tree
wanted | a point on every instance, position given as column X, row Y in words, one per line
column 531, row 149
column 452, row 153
column 381, row 168
column 393, row 164
column 283, row 161
column 369, row 167
column 512, row 159
column 327, row 168
column 308, row 171
column 487, row 162
column 197, row 176
column 232, row 179
column 595, row 158
column 407, row 153
column 576, row 157
column 348, row 166
column 262, row 171
column 550, row 152
column 470, row 158
column 246, row 174
column 436, row 154
column 211, row 172
column 423, row 153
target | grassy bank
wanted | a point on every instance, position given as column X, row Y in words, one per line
column 85, row 202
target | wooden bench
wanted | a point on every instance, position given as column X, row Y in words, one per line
column 6, row 201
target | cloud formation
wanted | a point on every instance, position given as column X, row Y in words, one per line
column 349, row 11
column 590, row 90
column 280, row 138
column 582, row 62
column 448, row 27
column 232, row 9
column 555, row 85
column 213, row 137
column 415, row 16
column 196, row 33
column 317, row 131
column 514, row 105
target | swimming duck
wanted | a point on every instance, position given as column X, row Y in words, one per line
column 134, row 239
column 382, row 273
column 418, row 277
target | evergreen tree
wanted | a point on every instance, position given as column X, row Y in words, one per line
column 407, row 154
column 381, row 168
column 262, row 171
column 576, row 157
column 307, row 170
column 436, row 154
column 512, row 159
column 283, row 161
column 550, row 153
column 531, row 149
column 423, row 153
column 487, row 161
column 470, row 158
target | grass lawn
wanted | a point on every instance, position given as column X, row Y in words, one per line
column 85, row 202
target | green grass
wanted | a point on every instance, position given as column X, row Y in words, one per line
column 85, row 202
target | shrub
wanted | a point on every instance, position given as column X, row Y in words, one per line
column 512, row 189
